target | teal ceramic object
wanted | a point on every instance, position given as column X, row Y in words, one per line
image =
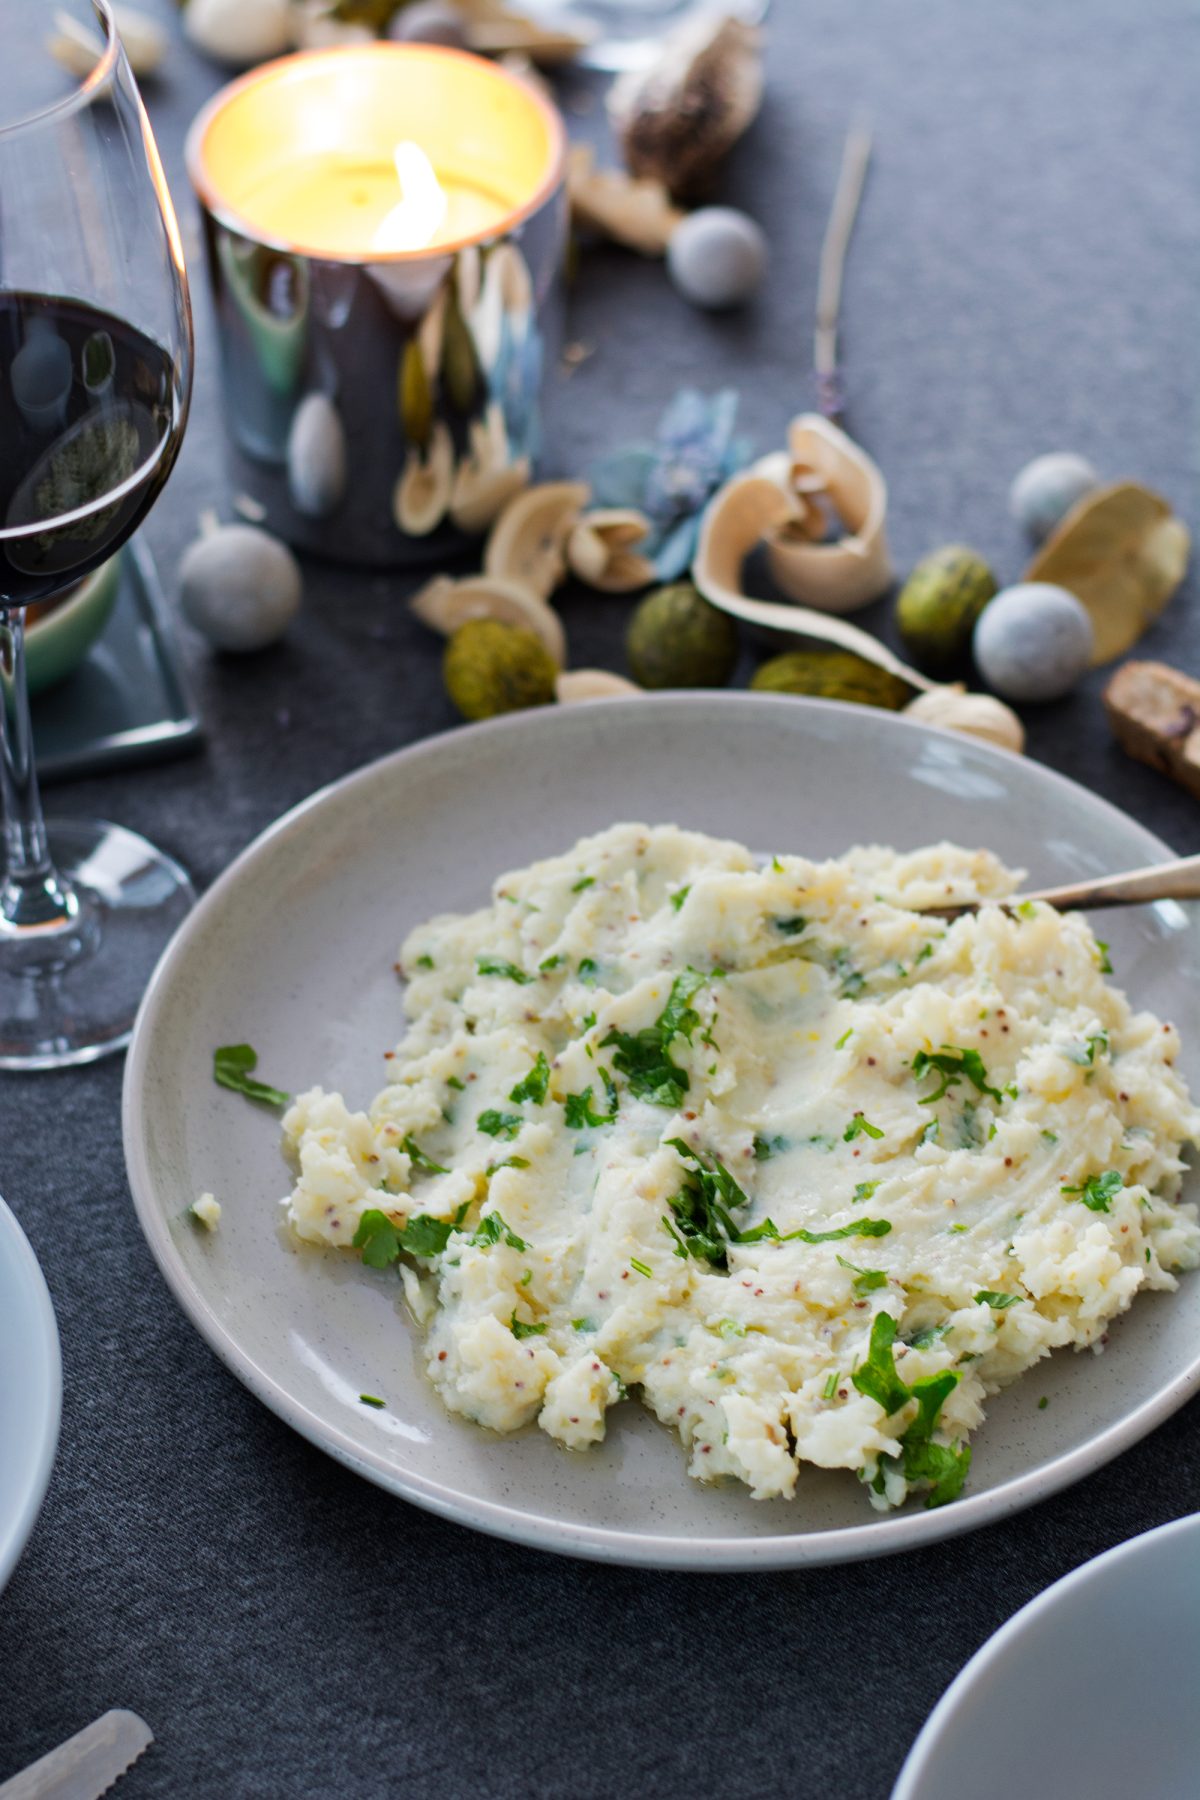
column 57, row 642
column 30, row 1390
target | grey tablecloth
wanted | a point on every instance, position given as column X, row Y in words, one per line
column 1025, row 278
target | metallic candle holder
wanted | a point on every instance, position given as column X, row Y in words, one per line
column 382, row 401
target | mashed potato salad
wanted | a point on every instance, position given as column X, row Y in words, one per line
column 810, row 1172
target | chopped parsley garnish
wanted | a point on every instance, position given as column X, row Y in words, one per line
column 588, row 1022
column 952, row 1064
column 492, row 1230
column 381, row 1241
column 1043, row 1403
column 580, row 1115
column 729, row 1328
column 845, row 1038
column 765, row 1148
column 864, row 1190
column 641, row 1267
column 372, row 1400
column 496, row 965
column 585, row 881
column 704, row 1226
column 1098, row 1191
column 998, row 1302
column 534, row 1085
column 453, row 1082
column 860, row 1127
column 499, row 1124
column 520, row 1329
column 923, row 954
column 643, row 1056
column 1051, row 1137
column 510, row 1162
column 877, row 1377
column 549, row 962
column 791, row 927
column 1085, row 1053
column 679, row 896
column 582, row 1325
column 233, row 1067
column 932, row 1132
column 418, row 1158
column 928, row 1334
column 831, row 1383
column 865, row 1280
column 588, row 970
column 942, row 1468
column 868, row 1228
column 1103, row 961
column 424, row 962
column 851, row 980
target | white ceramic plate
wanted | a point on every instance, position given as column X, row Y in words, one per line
column 292, row 951
column 30, row 1390
column 1088, row 1693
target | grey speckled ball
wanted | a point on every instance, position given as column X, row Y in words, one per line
column 717, row 257
column 239, row 586
column 1033, row 642
column 1047, row 488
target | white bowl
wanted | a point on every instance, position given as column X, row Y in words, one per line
column 30, row 1390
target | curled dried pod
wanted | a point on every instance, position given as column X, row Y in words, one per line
column 975, row 715
column 445, row 604
column 488, row 476
column 592, row 684
column 600, row 550
column 426, row 482
column 678, row 118
column 528, row 543
column 636, row 213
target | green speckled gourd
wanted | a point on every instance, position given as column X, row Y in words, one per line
column 938, row 607
column 676, row 639
column 490, row 668
column 832, row 675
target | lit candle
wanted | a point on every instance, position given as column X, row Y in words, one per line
column 385, row 226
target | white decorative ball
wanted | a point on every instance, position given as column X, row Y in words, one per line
column 239, row 586
column 316, row 457
column 429, row 22
column 1047, row 488
column 717, row 257
column 240, row 31
column 1033, row 641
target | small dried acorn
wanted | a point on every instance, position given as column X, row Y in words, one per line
column 831, row 675
column 491, row 668
column 676, row 639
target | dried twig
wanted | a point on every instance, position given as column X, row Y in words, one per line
column 855, row 157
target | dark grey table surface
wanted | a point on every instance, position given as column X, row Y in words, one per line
column 1025, row 278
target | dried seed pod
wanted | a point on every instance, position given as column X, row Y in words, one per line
column 676, row 120
column 423, row 491
column 638, row 214
column 445, row 604
column 592, row 684
column 600, row 550
column 486, row 479
column 240, row 32
column 975, row 715
column 528, row 543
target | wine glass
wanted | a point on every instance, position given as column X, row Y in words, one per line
column 95, row 379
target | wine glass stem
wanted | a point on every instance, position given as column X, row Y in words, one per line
column 33, row 893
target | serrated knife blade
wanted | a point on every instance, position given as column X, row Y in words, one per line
column 87, row 1765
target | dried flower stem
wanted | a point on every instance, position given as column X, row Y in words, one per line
column 853, row 174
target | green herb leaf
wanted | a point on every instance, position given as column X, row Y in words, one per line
column 1085, row 1054
column 941, row 1467
column 867, row 1280
column 499, row 1124
column 233, row 1066
column 585, row 881
column 877, row 1377
column 424, row 962
column 932, row 1132
column 381, row 1241
column 588, row 970
column 928, row 1334
column 790, row 927
column 765, row 1148
column 1098, row 1191
column 519, row 1328
column 372, row 1400
column 496, row 965
column 492, row 1230
column 642, row 1056
column 952, row 1064
column 641, row 1267
column 453, row 1082
column 998, row 1302
column 547, row 963
column 1103, row 962
column 580, row 1115
column 831, row 1384
column 864, row 1190
column 425, row 1236
column 860, row 1127
column 679, row 896
column 419, row 1159
column 704, row 1225
column 534, row 1085
column 868, row 1228
column 510, row 1162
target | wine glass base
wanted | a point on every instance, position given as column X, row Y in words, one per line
column 72, row 997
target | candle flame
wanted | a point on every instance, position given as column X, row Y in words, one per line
column 419, row 216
